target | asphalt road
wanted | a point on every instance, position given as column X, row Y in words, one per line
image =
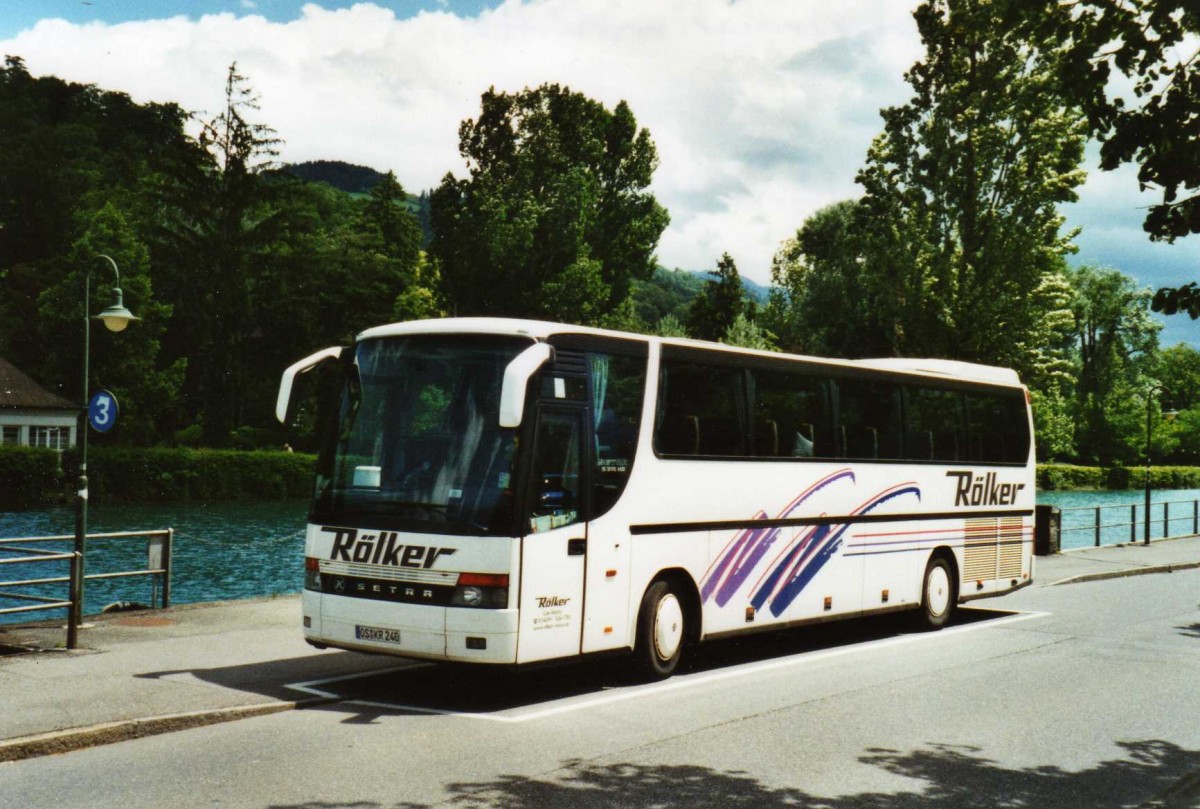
column 1085, row 695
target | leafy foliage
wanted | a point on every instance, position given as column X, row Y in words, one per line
column 235, row 269
column 29, row 476
column 959, row 216
column 1147, row 48
column 555, row 219
column 720, row 302
column 343, row 176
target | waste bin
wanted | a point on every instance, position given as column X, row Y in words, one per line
column 1047, row 530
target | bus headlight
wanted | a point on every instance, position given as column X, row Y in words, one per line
column 470, row 596
column 312, row 574
column 481, row 590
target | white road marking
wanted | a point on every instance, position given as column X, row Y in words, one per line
column 677, row 683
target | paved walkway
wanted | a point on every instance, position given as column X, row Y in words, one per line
column 151, row 672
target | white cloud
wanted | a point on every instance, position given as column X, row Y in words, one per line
column 762, row 111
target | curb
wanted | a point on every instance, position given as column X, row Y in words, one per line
column 65, row 741
column 1121, row 574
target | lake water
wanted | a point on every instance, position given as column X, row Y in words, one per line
column 1079, row 514
column 220, row 551
column 246, row 550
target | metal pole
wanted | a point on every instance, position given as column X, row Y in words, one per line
column 1133, row 523
column 75, row 617
column 1166, row 520
column 166, row 587
column 1097, row 526
column 1149, row 403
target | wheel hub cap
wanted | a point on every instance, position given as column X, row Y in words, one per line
column 668, row 627
column 939, row 591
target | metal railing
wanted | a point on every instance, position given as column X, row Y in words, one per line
column 158, row 566
column 1124, row 522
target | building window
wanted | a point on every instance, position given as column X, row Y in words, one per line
column 50, row 437
column 11, row 434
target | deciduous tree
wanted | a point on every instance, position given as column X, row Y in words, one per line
column 1134, row 67
column 959, row 223
column 555, row 219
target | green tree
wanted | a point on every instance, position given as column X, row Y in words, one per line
column 719, row 303
column 959, row 222
column 556, row 219
column 670, row 326
column 66, row 152
column 1133, row 66
column 1179, row 369
column 220, row 220
column 1116, row 340
column 387, row 211
column 746, row 333
column 1054, row 425
column 821, row 301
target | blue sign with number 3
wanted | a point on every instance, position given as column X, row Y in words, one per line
column 102, row 411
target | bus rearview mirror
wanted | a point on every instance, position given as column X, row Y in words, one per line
column 516, row 380
column 295, row 369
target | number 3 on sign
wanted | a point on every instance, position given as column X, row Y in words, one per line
column 102, row 411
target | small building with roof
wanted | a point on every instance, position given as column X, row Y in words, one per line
column 32, row 416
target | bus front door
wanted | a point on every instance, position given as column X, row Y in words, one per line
column 554, row 549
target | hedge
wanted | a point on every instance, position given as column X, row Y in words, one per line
column 34, row 477
column 181, row 473
column 1064, row 477
column 29, row 477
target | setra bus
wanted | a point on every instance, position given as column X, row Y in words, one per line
column 513, row 492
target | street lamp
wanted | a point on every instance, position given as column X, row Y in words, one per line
column 116, row 317
column 1170, row 416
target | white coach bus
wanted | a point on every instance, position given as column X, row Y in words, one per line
column 513, row 492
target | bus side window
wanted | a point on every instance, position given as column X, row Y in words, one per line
column 701, row 406
column 618, row 385
column 555, row 472
column 934, row 424
column 869, row 415
column 791, row 415
column 997, row 427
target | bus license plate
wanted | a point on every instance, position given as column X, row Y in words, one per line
column 376, row 633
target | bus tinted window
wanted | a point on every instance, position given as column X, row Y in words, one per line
column 618, row 384
column 934, row 425
column 701, row 411
column 997, row 427
column 791, row 416
column 869, row 425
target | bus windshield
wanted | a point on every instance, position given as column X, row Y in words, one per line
column 417, row 445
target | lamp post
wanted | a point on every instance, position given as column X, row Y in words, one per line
column 1170, row 416
column 116, row 317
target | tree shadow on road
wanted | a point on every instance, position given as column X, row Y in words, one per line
column 944, row 776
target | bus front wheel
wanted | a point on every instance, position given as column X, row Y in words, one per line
column 938, row 596
column 660, row 632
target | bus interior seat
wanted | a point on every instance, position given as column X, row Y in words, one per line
column 870, row 447
column 766, row 439
column 804, row 444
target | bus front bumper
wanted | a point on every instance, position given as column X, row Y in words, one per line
column 425, row 632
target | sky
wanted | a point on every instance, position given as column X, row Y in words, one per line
column 762, row 111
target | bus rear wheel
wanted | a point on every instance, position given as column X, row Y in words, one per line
column 660, row 632
column 938, row 594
